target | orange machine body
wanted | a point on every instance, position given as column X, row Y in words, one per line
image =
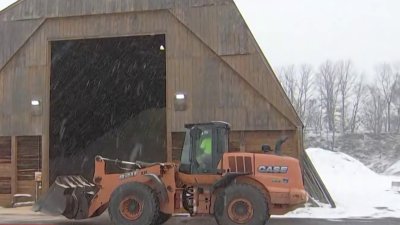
column 278, row 177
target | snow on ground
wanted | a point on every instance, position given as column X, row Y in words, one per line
column 356, row 190
column 394, row 169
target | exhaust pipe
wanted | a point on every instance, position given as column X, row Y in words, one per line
column 279, row 143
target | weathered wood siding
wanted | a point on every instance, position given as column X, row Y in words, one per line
column 216, row 23
column 20, row 159
column 5, row 170
column 215, row 90
column 211, row 56
column 13, row 35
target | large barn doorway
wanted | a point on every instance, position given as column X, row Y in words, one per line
column 108, row 98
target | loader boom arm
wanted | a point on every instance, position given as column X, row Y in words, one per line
column 107, row 183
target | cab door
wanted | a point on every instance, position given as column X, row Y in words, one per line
column 203, row 150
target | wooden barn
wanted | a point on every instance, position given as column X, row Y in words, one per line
column 120, row 78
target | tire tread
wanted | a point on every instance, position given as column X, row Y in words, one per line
column 153, row 199
column 238, row 188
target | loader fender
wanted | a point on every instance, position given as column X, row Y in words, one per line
column 226, row 180
column 254, row 182
column 159, row 187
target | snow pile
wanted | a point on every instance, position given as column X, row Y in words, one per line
column 377, row 151
column 356, row 190
column 394, row 169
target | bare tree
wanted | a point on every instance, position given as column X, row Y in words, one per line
column 328, row 89
column 358, row 94
column 313, row 118
column 396, row 95
column 374, row 107
column 303, row 90
column 387, row 84
column 288, row 79
column 346, row 78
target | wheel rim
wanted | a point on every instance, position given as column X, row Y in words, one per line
column 131, row 208
column 240, row 211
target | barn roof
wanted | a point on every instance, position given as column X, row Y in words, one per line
column 22, row 19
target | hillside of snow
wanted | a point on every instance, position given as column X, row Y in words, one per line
column 377, row 151
column 356, row 190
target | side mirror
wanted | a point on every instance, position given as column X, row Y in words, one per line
column 266, row 148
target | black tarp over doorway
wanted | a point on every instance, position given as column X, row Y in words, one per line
column 107, row 98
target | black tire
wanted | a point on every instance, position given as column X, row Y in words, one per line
column 146, row 206
column 241, row 204
column 162, row 218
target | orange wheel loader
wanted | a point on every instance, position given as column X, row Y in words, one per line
column 234, row 187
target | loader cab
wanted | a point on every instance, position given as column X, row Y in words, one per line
column 203, row 148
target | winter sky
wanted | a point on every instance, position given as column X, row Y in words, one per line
column 312, row 31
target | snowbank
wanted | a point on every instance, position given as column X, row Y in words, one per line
column 357, row 191
column 394, row 169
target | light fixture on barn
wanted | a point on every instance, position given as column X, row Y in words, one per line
column 162, row 48
column 36, row 107
column 180, row 101
column 35, row 102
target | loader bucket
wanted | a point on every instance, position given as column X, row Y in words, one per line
column 69, row 196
